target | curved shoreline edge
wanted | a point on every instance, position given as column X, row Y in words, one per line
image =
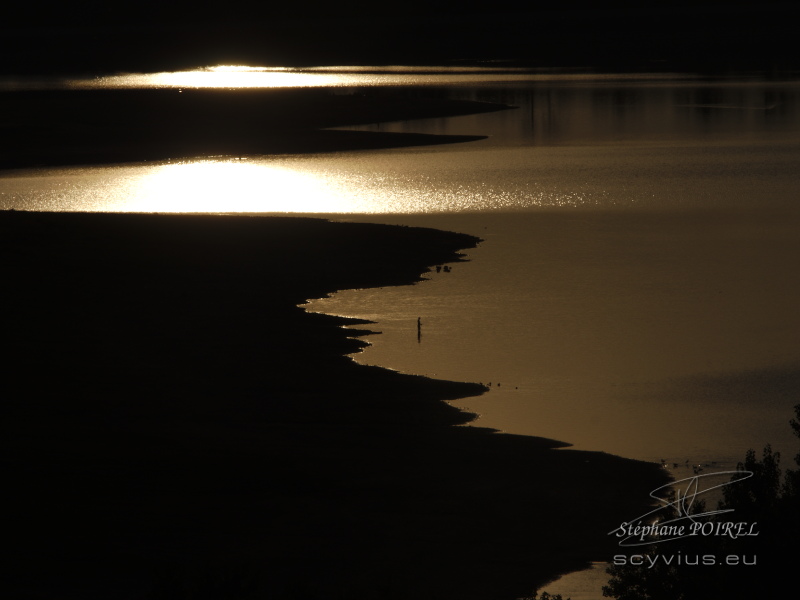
column 173, row 421
column 52, row 128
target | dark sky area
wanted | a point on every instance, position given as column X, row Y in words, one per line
column 95, row 35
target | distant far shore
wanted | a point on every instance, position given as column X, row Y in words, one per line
column 54, row 128
column 172, row 421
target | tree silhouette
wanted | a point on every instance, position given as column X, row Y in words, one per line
column 727, row 567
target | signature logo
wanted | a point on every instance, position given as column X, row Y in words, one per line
column 654, row 528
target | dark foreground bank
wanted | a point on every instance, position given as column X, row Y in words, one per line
column 174, row 426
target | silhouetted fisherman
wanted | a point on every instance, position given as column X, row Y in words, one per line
column 419, row 330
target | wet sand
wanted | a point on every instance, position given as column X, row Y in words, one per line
column 175, row 424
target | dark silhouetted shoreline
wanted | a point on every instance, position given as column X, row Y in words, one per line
column 174, row 425
column 74, row 127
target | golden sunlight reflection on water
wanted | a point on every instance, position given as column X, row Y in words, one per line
column 348, row 183
column 219, row 77
column 210, row 185
column 230, row 185
column 237, row 76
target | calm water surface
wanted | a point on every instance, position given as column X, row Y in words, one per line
column 637, row 288
column 639, row 272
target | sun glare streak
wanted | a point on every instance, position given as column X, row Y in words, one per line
column 243, row 77
column 245, row 69
column 280, row 184
column 274, row 186
column 214, row 77
column 229, row 186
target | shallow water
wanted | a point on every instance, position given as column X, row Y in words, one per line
column 646, row 334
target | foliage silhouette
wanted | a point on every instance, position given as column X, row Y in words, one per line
column 763, row 563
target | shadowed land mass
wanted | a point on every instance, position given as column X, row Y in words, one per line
column 46, row 128
column 175, row 426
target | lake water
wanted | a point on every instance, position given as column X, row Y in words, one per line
column 637, row 288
